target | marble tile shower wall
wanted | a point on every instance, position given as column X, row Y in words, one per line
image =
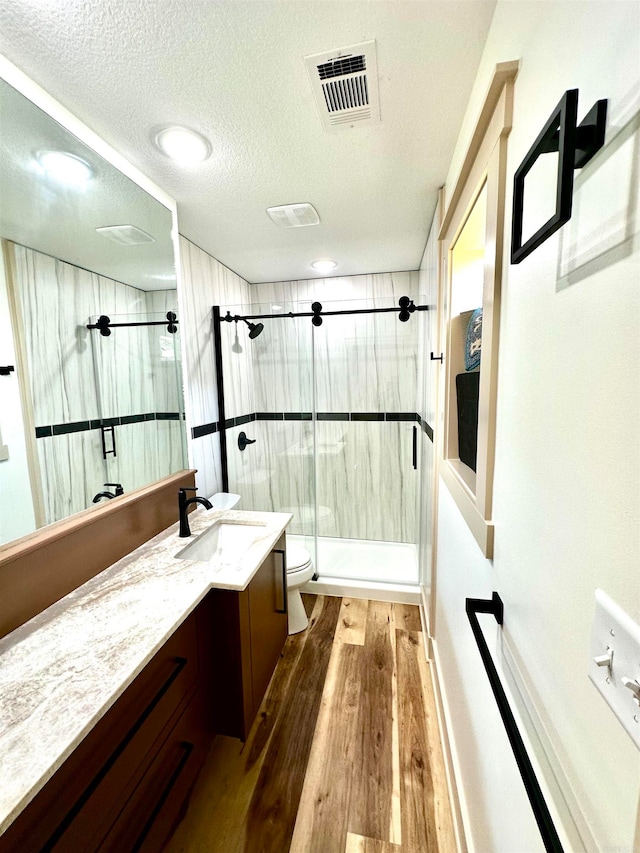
column 56, row 300
column 275, row 473
column 207, row 282
column 366, row 484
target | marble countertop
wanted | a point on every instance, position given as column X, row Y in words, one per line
column 62, row 671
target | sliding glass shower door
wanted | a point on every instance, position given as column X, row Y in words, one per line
column 365, row 391
column 268, row 396
column 332, row 412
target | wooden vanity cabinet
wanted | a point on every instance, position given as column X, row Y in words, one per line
column 124, row 787
column 246, row 632
column 136, row 754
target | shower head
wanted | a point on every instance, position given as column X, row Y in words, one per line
column 254, row 329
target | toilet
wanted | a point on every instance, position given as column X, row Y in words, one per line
column 299, row 572
column 299, row 568
column 224, row 500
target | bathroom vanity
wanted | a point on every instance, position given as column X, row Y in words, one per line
column 110, row 697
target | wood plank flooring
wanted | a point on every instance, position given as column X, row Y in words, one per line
column 344, row 756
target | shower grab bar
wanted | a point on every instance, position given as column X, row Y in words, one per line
column 494, row 606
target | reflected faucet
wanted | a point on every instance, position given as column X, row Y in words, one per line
column 183, row 505
column 118, row 491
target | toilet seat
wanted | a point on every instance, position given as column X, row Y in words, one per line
column 298, row 558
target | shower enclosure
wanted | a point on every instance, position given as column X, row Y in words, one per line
column 139, row 397
column 332, row 411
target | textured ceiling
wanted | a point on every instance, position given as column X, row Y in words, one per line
column 46, row 214
column 235, row 72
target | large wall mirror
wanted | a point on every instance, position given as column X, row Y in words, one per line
column 80, row 409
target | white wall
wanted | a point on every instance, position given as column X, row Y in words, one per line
column 566, row 501
column 16, row 507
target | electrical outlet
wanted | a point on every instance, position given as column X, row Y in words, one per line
column 614, row 666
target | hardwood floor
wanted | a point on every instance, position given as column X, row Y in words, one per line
column 344, row 756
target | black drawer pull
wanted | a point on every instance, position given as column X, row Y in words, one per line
column 187, row 750
column 179, row 665
column 283, row 554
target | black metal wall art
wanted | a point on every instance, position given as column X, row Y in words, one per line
column 576, row 144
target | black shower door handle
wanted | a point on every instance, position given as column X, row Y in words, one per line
column 103, row 433
column 415, row 448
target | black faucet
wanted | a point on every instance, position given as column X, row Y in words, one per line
column 183, row 505
column 118, row 491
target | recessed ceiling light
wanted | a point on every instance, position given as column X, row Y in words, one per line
column 324, row 265
column 64, row 167
column 183, row 145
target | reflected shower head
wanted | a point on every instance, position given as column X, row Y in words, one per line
column 254, row 329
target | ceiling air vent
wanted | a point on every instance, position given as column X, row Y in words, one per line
column 126, row 235
column 345, row 85
column 294, row 215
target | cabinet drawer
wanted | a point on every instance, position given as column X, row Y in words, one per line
column 155, row 806
column 77, row 806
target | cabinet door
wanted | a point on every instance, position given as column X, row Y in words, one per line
column 268, row 620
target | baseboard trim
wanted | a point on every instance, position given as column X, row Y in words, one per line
column 452, row 767
column 397, row 593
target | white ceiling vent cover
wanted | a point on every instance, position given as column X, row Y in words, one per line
column 126, row 235
column 345, row 85
column 294, row 215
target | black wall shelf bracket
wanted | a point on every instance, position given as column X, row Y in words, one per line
column 495, row 607
column 6, row 371
column 575, row 144
column 439, row 358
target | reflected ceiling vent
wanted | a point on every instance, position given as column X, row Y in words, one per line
column 294, row 215
column 345, row 85
column 126, row 235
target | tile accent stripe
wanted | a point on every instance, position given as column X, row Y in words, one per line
column 124, row 420
column 205, row 429
column 388, row 417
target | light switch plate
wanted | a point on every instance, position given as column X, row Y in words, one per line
column 615, row 633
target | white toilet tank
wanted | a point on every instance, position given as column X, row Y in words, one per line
column 224, row 500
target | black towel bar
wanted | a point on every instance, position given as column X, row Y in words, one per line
column 541, row 812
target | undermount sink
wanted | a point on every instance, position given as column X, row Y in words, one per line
column 225, row 542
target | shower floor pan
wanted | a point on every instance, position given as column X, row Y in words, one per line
column 365, row 560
